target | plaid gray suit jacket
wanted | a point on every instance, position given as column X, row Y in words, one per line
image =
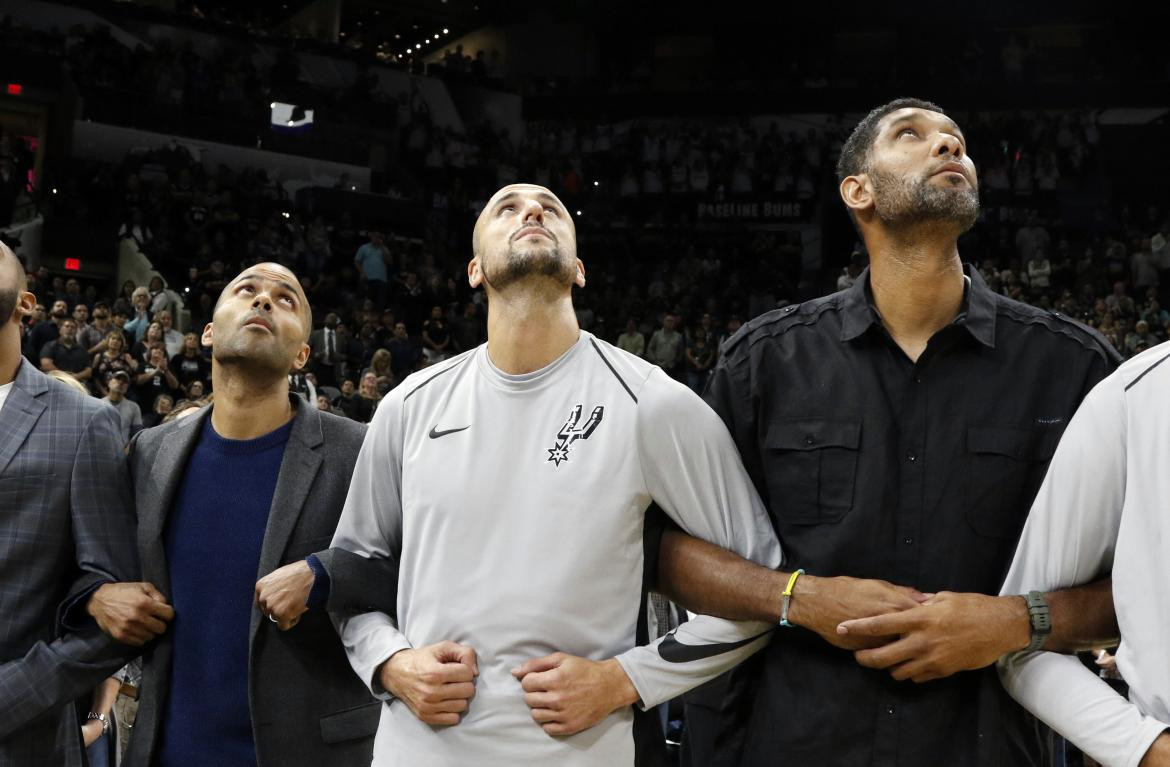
column 66, row 524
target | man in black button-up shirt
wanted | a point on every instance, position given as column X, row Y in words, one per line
column 897, row 431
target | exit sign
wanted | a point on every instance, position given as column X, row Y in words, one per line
column 15, row 89
column 73, row 264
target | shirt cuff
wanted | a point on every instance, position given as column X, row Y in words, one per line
column 73, row 614
column 319, row 594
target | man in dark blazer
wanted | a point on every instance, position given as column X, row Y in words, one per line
column 249, row 488
column 66, row 524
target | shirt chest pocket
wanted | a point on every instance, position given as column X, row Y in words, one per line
column 1007, row 466
column 811, row 466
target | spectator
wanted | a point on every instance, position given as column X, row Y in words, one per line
column 381, row 368
column 700, row 359
column 1140, row 338
column 436, row 337
column 130, row 414
column 135, row 328
column 154, row 381
column 93, row 336
column 326, row 351
column 113, row 359
column 65, row 354
column 172, row 339
column 46, row 330
column 151, row 340
column 404, row 352
column 160, row 409
column 1039, row 272
column 631, row 340
column 363, row 404
column 189, row 365
column 371, row 260
column 666, row 346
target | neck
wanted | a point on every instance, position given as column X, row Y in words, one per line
column 248, row 405
column 114, row 397
column 9, row 352
column 527, row 330
column 917, row 283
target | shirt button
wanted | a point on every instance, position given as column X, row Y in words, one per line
column 910, row 456
column 808, row 439
column 918, row 378
column 908, row 541
column 890, row 709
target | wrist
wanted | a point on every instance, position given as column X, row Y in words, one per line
column 1017, row 623
column 624, row 692
column 391, row 670
column 802, row 605
column 94, row 597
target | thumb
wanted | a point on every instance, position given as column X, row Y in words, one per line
column 536, row 665
column 452, row 652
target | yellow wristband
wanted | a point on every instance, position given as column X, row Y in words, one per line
column 786, row 598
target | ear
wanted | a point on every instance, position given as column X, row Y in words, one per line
column 206, row 340
column 579, row 281
column 301, row 359
column 25, row 304
column 857, row 193
column 474, row 273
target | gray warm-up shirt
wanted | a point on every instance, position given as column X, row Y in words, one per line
column 516, row 505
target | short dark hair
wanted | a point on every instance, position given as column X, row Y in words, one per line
column 855, row 153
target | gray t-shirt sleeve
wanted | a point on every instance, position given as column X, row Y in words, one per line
column 693, row 471
column 1069, row 539
column 371, row 526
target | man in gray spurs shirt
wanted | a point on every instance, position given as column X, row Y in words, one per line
column 511, row 482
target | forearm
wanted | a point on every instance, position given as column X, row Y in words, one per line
column 1082, row 618
column 104, row 696
column 707, row 579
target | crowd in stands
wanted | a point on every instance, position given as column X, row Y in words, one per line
column 385, row 306
column 660, row 286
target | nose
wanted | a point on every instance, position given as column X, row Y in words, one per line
column 948, row 144
column 262, row 299
column 534, row 213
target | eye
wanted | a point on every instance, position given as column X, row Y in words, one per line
column 551, row 210
column 904, row 131
column 506, row 208
column 246, row 287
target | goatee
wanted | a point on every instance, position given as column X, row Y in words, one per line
column 905, row 201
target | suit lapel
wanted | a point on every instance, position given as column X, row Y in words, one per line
column 298, row 469
column 21, row 410
column 163, row 477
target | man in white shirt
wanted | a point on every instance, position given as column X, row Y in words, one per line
column 511, row 482
column 1101, row 509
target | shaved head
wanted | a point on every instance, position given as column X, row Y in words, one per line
column 282, row 274
column 525, row 235
column 12, row 282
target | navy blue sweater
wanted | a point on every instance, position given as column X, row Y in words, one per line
column 213, row 539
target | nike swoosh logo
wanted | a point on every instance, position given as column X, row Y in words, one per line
column 673, row 651
column 435, row 433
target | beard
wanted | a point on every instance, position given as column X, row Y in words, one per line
column 906, row 201
column 524, row 261
column 8, row 299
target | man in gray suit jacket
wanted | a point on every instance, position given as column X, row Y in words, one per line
column 248, row 488
column 65, row 524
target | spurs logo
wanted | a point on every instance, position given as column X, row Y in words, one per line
column 571, row 432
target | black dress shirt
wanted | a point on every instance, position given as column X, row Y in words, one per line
column 920, row 473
